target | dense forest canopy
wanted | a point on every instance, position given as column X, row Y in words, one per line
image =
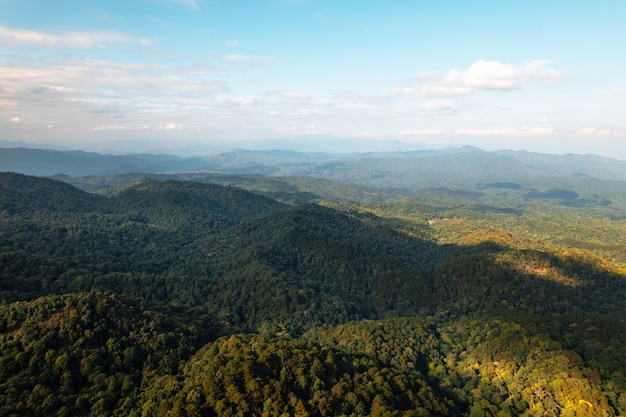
column 213, row 294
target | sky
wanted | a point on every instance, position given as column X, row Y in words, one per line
column 547, row 76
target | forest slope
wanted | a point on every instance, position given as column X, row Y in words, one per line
column 175, row 283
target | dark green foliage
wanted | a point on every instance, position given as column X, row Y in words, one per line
column 21, row 194
column 152, row 198
column 86, row 353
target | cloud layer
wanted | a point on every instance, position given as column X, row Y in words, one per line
column 596, row 131
column 72, row 40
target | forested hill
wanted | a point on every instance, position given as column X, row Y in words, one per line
column 182, row 298
column 144, row 197
column 21, row 194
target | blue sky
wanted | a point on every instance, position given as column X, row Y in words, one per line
column 538, row 75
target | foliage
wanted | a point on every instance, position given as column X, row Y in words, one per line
column 82, row 354
column 183, row 298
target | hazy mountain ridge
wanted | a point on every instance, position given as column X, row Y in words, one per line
column 412, row 169
column 78, row 163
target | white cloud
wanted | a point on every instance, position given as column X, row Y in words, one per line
column 81, row 79
column 242, row 57
column 227, row 101
column 172, row 126
column 617, row 92
column 433, row 91
column 427, row 76
column 16, row 119
column 421, row 132
column 237, row 57
column 483, row 75
column 231, row 43
column 305, row 129
column 516, row 131
column 438, row 106
column 298, row 95
column 595, row 131
column 111, row 127
column 495, row 75
column 119, row 127
column 96, row 95
column 74, row 40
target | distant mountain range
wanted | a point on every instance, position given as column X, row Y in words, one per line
column 189, row 148
column 460, row 166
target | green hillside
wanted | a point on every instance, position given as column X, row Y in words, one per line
column 189, row 298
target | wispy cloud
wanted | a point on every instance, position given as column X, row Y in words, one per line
column 77, row 77
column 483, row 75
column 100, row 95
column 237, row 57
column 190, row 4
column 421, row 132
column 616, row 92
column 439, row 106
column 289, row 94
column 120, row 127
column 137, row 127
column 73, row 40
column 433, row 91
column 289, row 2
column 231, row 43
column 596, row 131
column 242, row 57
column 515, row 131
column 232, row 101
column 193, row 4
